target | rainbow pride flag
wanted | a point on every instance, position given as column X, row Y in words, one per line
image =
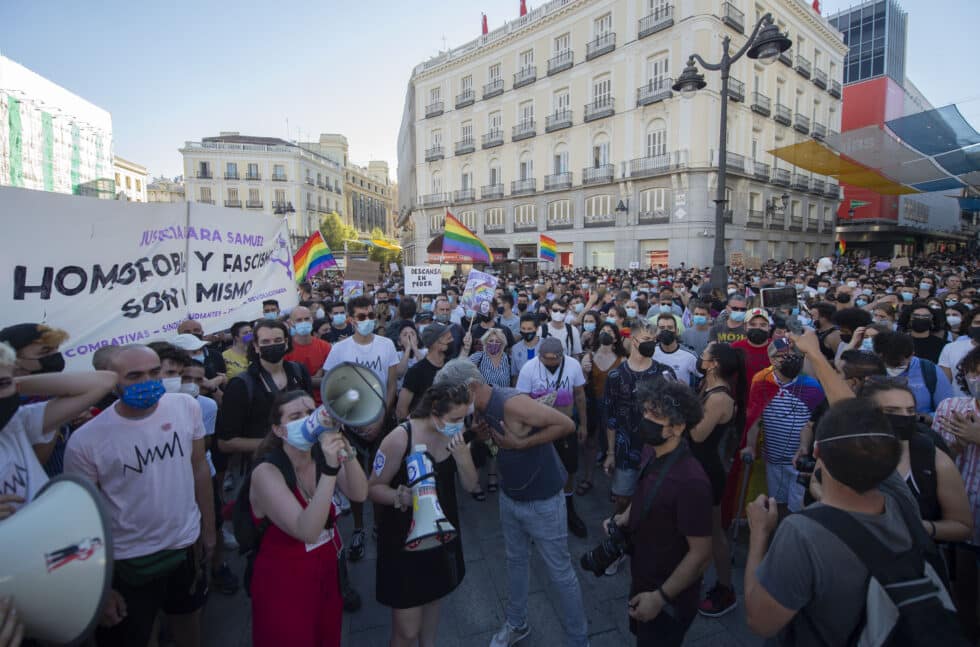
column 457, row 239
column 313, row 257
column 841, row 247
column 548, row 249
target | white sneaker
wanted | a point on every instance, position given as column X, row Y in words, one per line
column 614, row 567
column 508, row 636
column 229, row 538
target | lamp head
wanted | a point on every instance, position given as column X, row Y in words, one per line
column 769, row 43
column 690, row 81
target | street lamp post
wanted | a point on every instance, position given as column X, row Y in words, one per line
column 765, row 45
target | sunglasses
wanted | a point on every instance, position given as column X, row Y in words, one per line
column 558, row 310
column 734, row 309
column 361, row 316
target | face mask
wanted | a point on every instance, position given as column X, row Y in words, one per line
column 452, row 298
column 799, row 286
column 889, row 291
column 843, row 298
column 866, row 292
column 303, row 328
column 699, row 320
column 441, row 318
column 757, row 336
column 805, row 320
column 647, row 348
column 271, row 316
column 822, row 289
column 171, row 384
column 528, row 336
column 296, row 435
column 895, row 371
column 558, row 316
column 731, row 291
column 579, row 307
column 585, row 286
column 795, row 312
column 247, row 338
column 906, row 296
column 631, row 312
column 320, row 313
column 143, row 395
column 427, row 307
column 665, row 308
column 868, row 345
column 588, row 326
column 470, row 313
column 366, row 327
column 920, row 325
column 780, row 284
column 606, row 339
column 737, row 315
column 494, row 347
column 903, row 426
column 852, row 284
column 950, row 303
column 791, row 366
column 925, row 287
column 54, row 363
column 8, row 407
column 190, row 389
column 861, row 303
column 651, row 432
column 667, row 337
column 611, row 320
column 450, row 429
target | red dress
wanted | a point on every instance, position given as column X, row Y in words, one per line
column 296, row 597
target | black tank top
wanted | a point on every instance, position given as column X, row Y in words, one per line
column 709, row 447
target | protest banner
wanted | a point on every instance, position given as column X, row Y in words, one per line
column 899, row 263
column 753, row 263
column 634, row 265
column 423, row 279
column 479, row 290
column 736, row 259
column 359, row 270
column 393, row 267
column 353, row 289
column 112, row 273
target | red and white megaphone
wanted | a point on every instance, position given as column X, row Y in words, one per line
column 429, row 528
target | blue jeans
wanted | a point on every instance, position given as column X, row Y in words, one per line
column 545, row 522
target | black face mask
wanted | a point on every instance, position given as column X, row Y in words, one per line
column 652, row 432
column 528, row 336
column 667, row 337
column 846, row 338
column 54, row 363
column 757, row 336
column 273, row 353
column 647, row 348
column 843, row 298
column 605, row 339
column 920, row 325
column 791, row 365
column 904, row 426
column 500, row 310
column 521, row 307
column 8, row 407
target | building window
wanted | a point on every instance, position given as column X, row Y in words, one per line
column 658, row 72
column 437, row 222
column 598, row 207
column 493, row 72
column 280, row 197
column 656, row 138
column 495, row 121
column 466, row 84
column 279, row 172
column 138, row 186
column 493, row 217
column 436, row 139
column 563, row 43
column 525, row 167
column 601, row 89
column 602, row 25
column 466, row 178
column 253, row 196
column 600, row 151
column 525, row 215
column 434, row 94
column 653, row 200
column 118, row 183
column 129, row 182
column 468, row 218
column 495, row 177
column 560, row 212
column 466, row 131
column 561, row 159
column 253, row 171
column 525, row 113
column 231, row 171
column 561, row 100
column 206, row 194
column 204, row 170
column 526, row 60
column 436, row 182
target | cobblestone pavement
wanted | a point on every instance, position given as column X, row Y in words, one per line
column 472, row 613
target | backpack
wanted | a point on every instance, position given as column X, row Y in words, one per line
column 294, row 373
column 928, row 370
column 907, row 603
column 922, row 463
column 569, row 340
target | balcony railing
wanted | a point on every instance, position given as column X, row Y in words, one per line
column 781, row 177
column 526, row 224
column 657, row 164
column 598, row 175
column 438, row 227
column 777, row 220
column 253, row 204
column 282, row 206
column 464, row 195
column 600, row 220
column 493, row 88
column 832, row 190
column 802, row 66
column 493, row 138
column 560, row 223
column 760, row 104
column 465, row 145
column 654, row 90
column 235, row 204
column 206, row 200
column 755, row 219
column 311, row 181
column 655, row 217
column 783, row 115
column 434, row 109
column 820, row 78
column 801, row 124
column 796, row 223
column 816, row 186
column 523, row 130
column 523, row 187
column 560, row 119
column 435, row 199
column 492, row 228
column 786, row 58
column 800, row 182
column 660, row 19
column 204, row 175
column 600, row 108
column 561, row 62
column 278, row 177
column 761, row 171
column 732, row 17
column 434, row 153
column 231, row 176
column 603, row 44
column 465, row 98
column 736, row 89
column 819, row 132
column 558, row 181
column 734, row 162
column 526, row 76
column 834, row 89
column 491, row 191
column 253, row 177
column 812, row 227
column 320, row 184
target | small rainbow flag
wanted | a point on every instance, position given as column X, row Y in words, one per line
column 548, row 249
column 457, row 239
column 841, row 247
column 313, row 257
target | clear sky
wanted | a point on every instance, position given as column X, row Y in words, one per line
column 180, row 70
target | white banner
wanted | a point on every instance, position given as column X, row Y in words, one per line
column 423, row 279
column 112, row 272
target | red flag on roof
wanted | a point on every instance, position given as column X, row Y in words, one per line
column 484, row 23
column 523, row 7
column 816, row 6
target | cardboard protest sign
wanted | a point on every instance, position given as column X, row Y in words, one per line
column 423, row 279
column 353, row 289
column 479, row 290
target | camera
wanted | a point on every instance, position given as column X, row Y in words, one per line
column 805, row 466
column 614, row 546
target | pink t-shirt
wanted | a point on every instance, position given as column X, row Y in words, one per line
column 144, row 470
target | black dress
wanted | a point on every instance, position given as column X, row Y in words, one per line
column 707, row 451
column 406, row 579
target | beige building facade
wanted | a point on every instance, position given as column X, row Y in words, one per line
column 130, row 179
column 164, row 189
column 265, row 175
column 563, row 122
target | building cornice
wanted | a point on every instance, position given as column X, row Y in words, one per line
column 818, row 23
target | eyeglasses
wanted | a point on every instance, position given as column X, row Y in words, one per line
column 558, row 310
column 361, row 316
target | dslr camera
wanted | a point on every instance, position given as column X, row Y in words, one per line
column 615, row 545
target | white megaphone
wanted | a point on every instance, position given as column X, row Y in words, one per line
column 352, row 395
column 429, row 527
column 56, row 563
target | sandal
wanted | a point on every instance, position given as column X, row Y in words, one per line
column 492, row 486
column 584, row 486
column 479, row 495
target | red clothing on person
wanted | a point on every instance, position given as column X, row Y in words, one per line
column 312, row 356
column 756, row 358
column 296, row 598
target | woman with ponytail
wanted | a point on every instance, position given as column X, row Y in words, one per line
column 723, row 396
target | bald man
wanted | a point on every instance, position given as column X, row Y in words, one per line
column 308, row 350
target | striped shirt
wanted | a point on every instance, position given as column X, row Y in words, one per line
column 794, row 405
column 494, row 375
column 968, row 458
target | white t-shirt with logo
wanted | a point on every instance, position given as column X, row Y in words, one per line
column 683, row 361
column 379, row 356
column 20, row 472
column 537, row 381
column 144, row 469
column 951, row 356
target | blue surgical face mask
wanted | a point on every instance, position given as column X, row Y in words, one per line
column 450, row 429
column 699, row 320
column 925, row 287
column 579, row 307
column 799, row 286
column 868, row 344
column 303, row 328
column 296, row 436
column 907, row 296
column 588, row 326
column 795, row 312
column 271, row 316
column 441, row 318
column 822, row 289
column 143, row 395
column 247, row 338
column 470, row 313
column 366, row 327
column 338, row 319
column 861, row 303
column 665, row 307
column 611, row 320
column 427, row 307
column 780, row 284
column 631, row 312
column 738, row 315
column 950, row 303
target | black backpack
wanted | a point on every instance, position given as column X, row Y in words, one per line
column 907, row 603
